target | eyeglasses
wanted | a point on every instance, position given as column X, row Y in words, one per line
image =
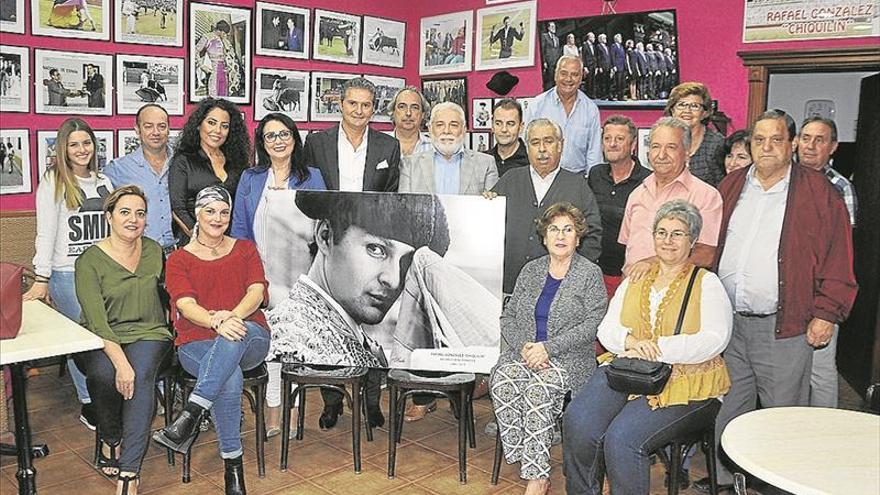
column 554, row 230
column 676, row 235
column 686, row 105
column 272, row 136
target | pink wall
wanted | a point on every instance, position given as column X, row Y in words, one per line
column 710, row 34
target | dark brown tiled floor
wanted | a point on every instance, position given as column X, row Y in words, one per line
column 427, row 461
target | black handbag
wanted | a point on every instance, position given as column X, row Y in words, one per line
column 640, row 376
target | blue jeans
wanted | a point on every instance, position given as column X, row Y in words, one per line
column 627, row 431
column 218, row 364
column 62, row 291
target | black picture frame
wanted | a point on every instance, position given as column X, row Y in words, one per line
column 435, row 87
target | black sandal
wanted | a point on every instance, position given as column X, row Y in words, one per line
column 111, row 462
column 126, row 481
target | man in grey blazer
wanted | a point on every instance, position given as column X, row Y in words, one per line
column 352, row 157
column 449, row 168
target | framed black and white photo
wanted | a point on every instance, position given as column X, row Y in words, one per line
column 80, row 19
column 149, row 22
column 73, row 83
column 337, row 37
column 219, row 52
column 15, row 161
column 15, row 70
column 383, row 42
column 525, row 101
column 127, row 140
column 284, row 91
column 480, row 142
column 282, row 30
column 643, row 146
column 440, row 90
column 481, row 113
column 47, row 151
column 327, row 95
column 445, row 43
column 141, row 80
column 386, row 88
column 506, row 36
column 12, row 16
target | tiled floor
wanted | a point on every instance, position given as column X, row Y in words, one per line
column 427, row 459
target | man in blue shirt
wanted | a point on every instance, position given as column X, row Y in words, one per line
column 578, row 116
column 147, row 168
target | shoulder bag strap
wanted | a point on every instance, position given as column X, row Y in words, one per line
column 684, row 303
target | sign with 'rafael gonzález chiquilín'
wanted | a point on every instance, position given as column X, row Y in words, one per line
column 788, row 20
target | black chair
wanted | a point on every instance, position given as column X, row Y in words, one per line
column 457, row 387
column 320, row 376
column 255, row 379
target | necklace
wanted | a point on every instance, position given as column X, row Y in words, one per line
column 645, row 303
column 213, row 248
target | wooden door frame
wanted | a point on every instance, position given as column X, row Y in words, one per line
column 761, row 64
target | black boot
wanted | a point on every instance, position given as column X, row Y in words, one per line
column 180, row 435
column 234, row 476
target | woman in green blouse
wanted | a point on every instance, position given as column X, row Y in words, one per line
column 118, row 286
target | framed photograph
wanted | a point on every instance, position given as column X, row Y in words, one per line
column 12, row 16
column 383, row 42
column 284, row 91
column 641, row 48
column 282, row 30
column 81, row 19
column 219, row 52
column 327, row 95
column 506, row 36
column 15, row 161
column 47, row 151
column 481, row 112
column 480, row 142
column 445, row 43
column 73, row 83
column 149, row 22
column 386, row 88
column 15, row 75
column 524, row 102
column 438, row 90
column 141, row 80
column 643, row 146
column 127, row 140
column 337, row 37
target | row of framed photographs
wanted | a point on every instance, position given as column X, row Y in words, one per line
column 281, row 30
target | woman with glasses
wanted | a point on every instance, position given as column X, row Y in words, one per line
column 690, row 102
column 548, row 331
column 640, row 323
column 265, row 213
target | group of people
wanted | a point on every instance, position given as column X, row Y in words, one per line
column 93, row 88
column 585, row 222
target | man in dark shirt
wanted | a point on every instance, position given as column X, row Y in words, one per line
column 509, row 150
column 612, row 182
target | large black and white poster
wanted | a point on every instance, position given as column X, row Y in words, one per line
column 385, row 280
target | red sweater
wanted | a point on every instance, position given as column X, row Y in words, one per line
column 215, row 285
column 815, row 262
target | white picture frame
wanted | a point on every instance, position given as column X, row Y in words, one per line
column 497, row 50
column 326, row 95
column 383, row 42
column 205, row 60
column 162, row 27
column 480, row 142
column 643, row 145
column 17, row 95
column 12, row 21
column 284, row 91
column 336, row 37
column 77, row 93
column 141, row 80
column 66, row 21
column 280, row 43
column 433, row 33
column 386, row 89
column 15, row 162
column 46, row 150
column 481, row 113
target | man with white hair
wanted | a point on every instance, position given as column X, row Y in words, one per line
column 449, row 168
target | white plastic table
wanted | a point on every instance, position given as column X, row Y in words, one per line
column 808, row 450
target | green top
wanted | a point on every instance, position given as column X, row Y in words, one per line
column 118, row 305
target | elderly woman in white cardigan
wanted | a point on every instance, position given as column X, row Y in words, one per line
column 548, row 331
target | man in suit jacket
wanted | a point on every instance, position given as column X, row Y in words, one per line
column 588, row 56
column 350, row 156
column 448, row 168
column 603, row 69
column 551, row 50
column 507, row 35
column 618, row 68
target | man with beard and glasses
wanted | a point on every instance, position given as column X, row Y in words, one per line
column 449, row 168
column 365, row 246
